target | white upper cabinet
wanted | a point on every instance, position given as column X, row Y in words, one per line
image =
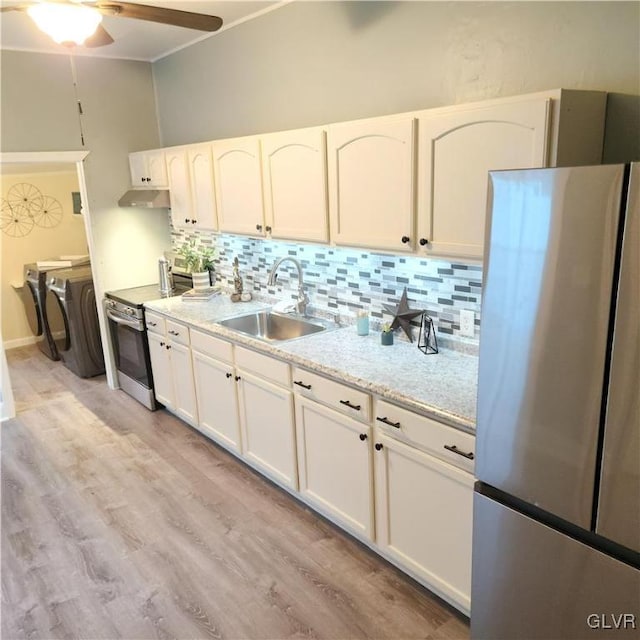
column 456, row 151
column 371, row 183
column 148, row 169
column 238, row 185
column 179, row 187
column 202, row 190
column 294, row 167
column 458, row 146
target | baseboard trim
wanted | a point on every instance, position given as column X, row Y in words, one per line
column 19, row 342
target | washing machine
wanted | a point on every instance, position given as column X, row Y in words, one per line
column 38, row 309
column 79, row 344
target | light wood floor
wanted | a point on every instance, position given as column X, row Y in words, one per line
column 122, row 523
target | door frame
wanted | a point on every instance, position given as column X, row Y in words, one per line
column 7, row 408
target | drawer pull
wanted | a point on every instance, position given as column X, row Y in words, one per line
column 162, row 344
column 152, row 324
column 229, row 375
column 454, row 449
column 357, row 407
column 302, row 384
column 378, row 446
column 363, row 436
column 387, row 421
column 238, row 378
column 174, row 333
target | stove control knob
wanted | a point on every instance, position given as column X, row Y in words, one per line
column 111, row 304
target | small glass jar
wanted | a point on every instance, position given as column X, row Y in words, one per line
column 362, row 323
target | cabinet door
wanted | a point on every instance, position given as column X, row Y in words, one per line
column 217, row 400
column 183, row 384
column 268, row 433
column 334, row 466
column 371, row 183
column 161, row 369
column 238, row 185
column 295, row 184
column 456, row 152
column 157, row 169
column 424, row 517
column 138, row 168
column 180, row 188
column 202, row 191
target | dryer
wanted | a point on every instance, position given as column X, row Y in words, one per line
column 79, row 344
column 34, row 297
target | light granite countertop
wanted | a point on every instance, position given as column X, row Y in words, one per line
column 442, row 386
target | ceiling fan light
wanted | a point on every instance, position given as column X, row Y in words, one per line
column 65, row 22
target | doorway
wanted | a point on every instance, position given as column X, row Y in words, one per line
column 28, row 207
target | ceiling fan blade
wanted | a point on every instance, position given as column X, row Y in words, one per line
column 174, row 17
column 99, row 39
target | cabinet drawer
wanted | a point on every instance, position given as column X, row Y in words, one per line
column 351, row 402
column 264, row 366
column 178, row 332
column 155, row 323
column 440, row 440
column 211, row 346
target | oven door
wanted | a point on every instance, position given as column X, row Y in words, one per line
column 131, row 353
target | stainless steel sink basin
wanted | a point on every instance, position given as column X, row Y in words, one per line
column 270, row 326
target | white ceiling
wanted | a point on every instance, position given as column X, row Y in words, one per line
column 134, row 39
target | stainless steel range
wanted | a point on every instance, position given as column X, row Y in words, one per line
column 125, row 312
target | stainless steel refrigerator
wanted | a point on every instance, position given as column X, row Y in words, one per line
column 556, row 534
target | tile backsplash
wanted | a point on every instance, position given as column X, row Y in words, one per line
column 344, row 280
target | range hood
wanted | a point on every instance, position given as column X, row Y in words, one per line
column 147, row 198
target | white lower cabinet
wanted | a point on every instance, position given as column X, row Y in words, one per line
column 403, row 486
column 217, row 400
column 172, row 371
column 334, row 466
column 161, row 368
column 267, row 425
column 184, row 389
column 268, row 432
column 424, row 514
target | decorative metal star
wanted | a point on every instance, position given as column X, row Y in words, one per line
column 402, row 315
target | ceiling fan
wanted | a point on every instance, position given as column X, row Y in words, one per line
column 77, row 22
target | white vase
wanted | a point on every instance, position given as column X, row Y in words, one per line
column 200, row 280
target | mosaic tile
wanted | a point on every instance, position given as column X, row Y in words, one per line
column 349, row 279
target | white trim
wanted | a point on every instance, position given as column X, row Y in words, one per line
column 7, row 405
column 225, row 27
column 16, row 157
column 76, row 157
column 19, row 342
column 77, row 52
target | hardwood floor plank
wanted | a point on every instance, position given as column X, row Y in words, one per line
column 118, row 522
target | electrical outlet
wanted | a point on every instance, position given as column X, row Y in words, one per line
column 467, row 323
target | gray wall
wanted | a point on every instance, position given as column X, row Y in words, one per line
column 38, row 113
column 318, row 62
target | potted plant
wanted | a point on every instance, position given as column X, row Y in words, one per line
column 386, row 336
column 198, row 262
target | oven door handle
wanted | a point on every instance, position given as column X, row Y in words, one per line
column 134, row 324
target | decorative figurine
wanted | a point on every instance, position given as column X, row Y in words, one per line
column 403, row 315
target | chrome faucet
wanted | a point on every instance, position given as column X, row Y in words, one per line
column 302, row 300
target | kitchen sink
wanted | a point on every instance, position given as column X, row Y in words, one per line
column 273, row 327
